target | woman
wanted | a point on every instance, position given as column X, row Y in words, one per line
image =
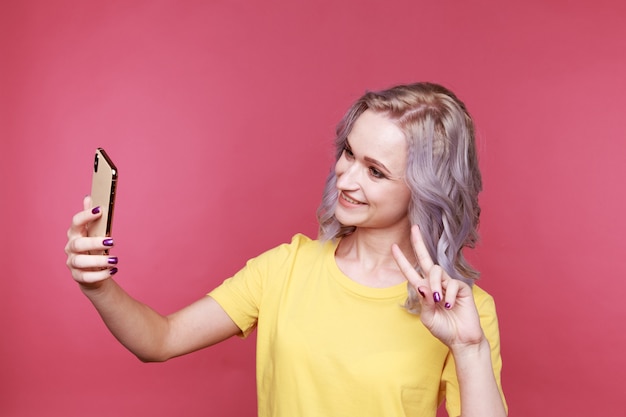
column 339, row 330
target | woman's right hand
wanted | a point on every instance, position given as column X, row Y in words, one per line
column 146, row 333
column 87, row 269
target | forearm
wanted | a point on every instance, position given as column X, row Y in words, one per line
column 140, row 329
column 480, row 395
column 146, row 333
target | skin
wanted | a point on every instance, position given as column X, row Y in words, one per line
column 454, row 320
column 149, row 335
column 384, row 248
column 381, row 252
column 374, row 198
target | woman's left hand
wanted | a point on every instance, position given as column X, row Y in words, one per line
column 447, row 305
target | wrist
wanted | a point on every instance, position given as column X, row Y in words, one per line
column 472, row 349
column 91, row 289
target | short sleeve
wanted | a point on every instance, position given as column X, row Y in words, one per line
column 240, row 295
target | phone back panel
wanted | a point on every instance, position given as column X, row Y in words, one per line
column 103, row 187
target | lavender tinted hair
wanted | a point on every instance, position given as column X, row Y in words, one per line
column 442, row 172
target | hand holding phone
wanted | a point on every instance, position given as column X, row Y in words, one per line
column 103, row 187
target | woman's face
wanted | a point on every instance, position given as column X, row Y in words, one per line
column 370, row 175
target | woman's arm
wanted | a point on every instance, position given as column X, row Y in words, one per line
column 480, row 395
column 449, row 312
column 146, row 333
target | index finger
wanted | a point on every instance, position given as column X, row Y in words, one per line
column 405, row 266
column 421, row 252
column 87, row 202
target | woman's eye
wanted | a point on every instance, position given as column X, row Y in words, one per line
column 348, row 152
column 376, row 173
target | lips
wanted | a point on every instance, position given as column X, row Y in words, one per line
column 350, row 200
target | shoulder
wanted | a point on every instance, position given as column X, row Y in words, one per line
column 481, row 296
column 302, row 241
column 298, row 242
column 300, row 246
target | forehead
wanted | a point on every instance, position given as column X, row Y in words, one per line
column 375, row 136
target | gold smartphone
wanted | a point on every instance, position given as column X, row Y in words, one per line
column 103, row 187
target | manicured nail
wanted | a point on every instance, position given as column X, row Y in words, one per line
column 107, row 242
column 95, row 210
column 113, row 271
column 436, row 296
column 421, row 292
column 447, row 306
column 112, row 260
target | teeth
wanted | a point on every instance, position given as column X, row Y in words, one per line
column 349, row 200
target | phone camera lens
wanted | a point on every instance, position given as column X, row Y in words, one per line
column 95, row 163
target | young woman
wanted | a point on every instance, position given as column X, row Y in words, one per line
column 379, row 316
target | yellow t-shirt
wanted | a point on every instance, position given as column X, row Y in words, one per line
column 328, row 346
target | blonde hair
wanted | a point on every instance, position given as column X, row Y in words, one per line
column 442, row 172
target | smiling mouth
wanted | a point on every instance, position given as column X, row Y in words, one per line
column 350, row 200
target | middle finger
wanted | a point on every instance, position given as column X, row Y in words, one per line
column 86, row 244
column 421, row 251
column 92, row 261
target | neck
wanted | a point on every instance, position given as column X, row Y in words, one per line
column 371, row 248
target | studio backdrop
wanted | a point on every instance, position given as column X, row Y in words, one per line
column 220, row 116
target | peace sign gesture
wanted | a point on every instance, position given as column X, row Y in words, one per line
column 447, row 305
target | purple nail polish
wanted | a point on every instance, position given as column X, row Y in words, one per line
column 107, row 242
column 95, row 210
column 421, row 293
column 436, row 296
column 447, row 306
column 113, row 271
column 112, row 260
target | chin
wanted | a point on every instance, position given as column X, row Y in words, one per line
column 346, row 221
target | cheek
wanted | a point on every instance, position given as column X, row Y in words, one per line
column 402, row 197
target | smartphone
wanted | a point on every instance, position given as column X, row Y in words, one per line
column 103, row 187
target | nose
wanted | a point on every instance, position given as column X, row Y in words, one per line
column 347, row 175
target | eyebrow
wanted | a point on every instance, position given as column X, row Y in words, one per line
column 371, row 160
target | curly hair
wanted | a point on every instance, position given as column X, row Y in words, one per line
column 442, row 172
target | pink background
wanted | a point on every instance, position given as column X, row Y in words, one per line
column 220, row 116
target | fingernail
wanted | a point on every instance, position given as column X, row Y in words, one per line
column 107, row 242
column 112, row 260
column 421, row 292
column 447, row 305
column 95, row 210
column 113, row 271
column 436, row 296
